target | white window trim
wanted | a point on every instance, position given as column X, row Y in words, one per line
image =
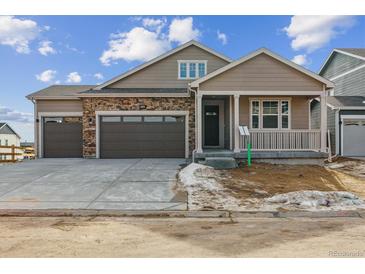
column 188, row 62
column 261, row 100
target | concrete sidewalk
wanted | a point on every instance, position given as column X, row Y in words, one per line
column 120, row 184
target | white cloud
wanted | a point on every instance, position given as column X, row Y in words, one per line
column 99, row 76
column 74, row 77
column 46, row 76
column 312, row 32
column 222, row 37
column 45, row 48
column 18, row 33
column 145, row 42
column 57, row 82
column 139, row 44
column 182, row 30
column 8, row 114
column 154, row 24
column 300, row 59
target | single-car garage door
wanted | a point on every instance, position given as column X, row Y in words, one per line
column 62, row 137
column 354, row 137
column 142, row 136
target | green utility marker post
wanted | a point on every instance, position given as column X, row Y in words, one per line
column 249, row 154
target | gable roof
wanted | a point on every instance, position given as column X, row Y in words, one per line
column 243, row 59
column 59, row 92
column 163, row 56
column 346, row 102
column 358, row 53
column 5, row 129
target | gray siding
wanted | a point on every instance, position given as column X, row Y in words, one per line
column 164, row 74
column 262, row 73
column 315, row 115
column 352, row 84
column 331, row 121
column 331, row 126
column 340, row 63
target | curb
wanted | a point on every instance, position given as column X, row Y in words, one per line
column 178, row 214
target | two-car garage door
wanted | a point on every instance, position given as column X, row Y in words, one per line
column 142, row 136
column 119, row 137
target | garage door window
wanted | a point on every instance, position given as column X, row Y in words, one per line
column 153, row 119
column 53, row 120
column 132, row 119
column 352, row 123
column 111, row 119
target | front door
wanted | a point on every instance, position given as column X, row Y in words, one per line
column 211, row 121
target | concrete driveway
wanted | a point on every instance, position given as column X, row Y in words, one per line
column 125, row 184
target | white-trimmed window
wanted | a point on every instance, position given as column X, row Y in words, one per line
column 270, row 114
column 191, row 69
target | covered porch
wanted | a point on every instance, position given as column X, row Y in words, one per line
column 278, row 125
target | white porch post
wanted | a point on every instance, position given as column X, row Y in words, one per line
column 198, row 113
column 323, row 122
column 236, row 122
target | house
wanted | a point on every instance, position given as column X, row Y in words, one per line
column 345, row 67
column 8, row 137
column 189, row 101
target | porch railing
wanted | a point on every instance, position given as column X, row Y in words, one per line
column 282, row 140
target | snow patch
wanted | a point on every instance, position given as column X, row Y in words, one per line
column 204, row 190
column 317, row 200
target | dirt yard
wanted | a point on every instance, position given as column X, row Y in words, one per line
column 181, row 237
column 265, row 180
column 246, row 188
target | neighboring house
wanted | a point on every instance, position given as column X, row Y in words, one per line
column 345, row 67
column 150, row 110
column 8, row 137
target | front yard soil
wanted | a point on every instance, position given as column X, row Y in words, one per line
column 246, row 188
column 265, row 180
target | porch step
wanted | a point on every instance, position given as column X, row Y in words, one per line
column 221, row 162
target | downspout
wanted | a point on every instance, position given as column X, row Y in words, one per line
column 194, row 151
column 35, row 126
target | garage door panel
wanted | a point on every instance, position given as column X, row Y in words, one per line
column 62, row 140
column 142, row 139
column 354, row 137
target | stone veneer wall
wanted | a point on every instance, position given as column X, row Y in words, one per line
column 92, row 104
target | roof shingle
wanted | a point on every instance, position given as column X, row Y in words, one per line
column 356, row 51
column 60, row 90
column 346, row 101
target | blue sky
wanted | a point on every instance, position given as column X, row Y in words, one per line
column 37, row 51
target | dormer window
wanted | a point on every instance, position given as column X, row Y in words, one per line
column 192, row 69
